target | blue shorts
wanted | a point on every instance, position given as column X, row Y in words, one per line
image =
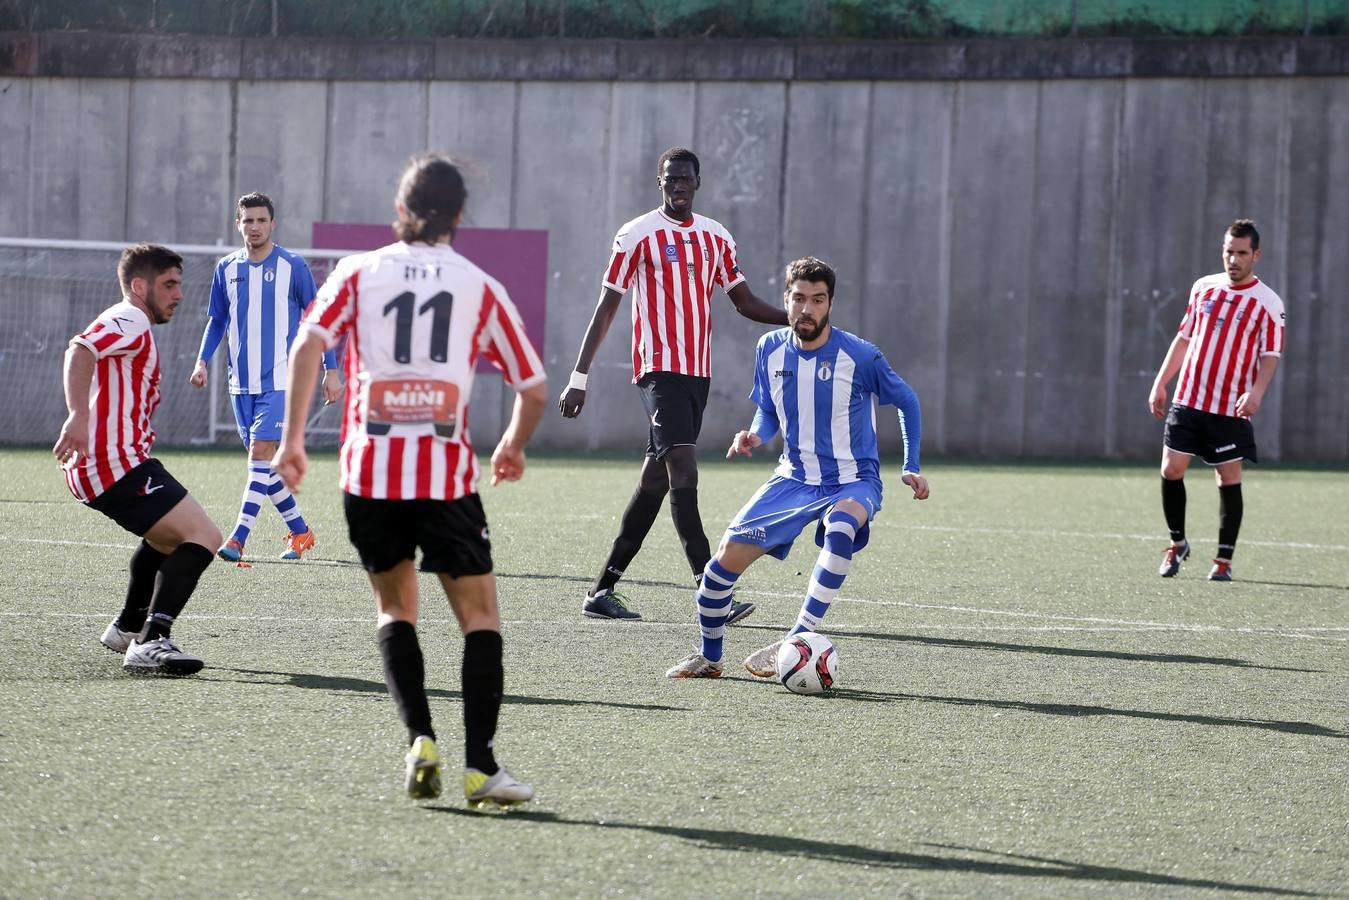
column 260, row 416
column 775, row 515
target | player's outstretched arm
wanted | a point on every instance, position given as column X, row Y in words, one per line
column 508, row 459
column 751, row 307
column 573, row 397
column 77, row 375
column 291, row 461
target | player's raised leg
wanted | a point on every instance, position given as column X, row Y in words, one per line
column 842, row 524
column 396, row 599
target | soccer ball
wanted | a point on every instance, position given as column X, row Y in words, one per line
column 807, row 663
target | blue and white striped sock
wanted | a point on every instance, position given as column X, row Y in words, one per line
column 285, row 503
column 714, row 607
column 254, row 491
column 840, row 530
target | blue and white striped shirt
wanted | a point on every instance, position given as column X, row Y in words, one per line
column 822, row 402
column 259, row 305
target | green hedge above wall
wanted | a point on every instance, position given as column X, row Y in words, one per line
column 853, row 19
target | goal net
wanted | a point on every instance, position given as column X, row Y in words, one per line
column 51, row 290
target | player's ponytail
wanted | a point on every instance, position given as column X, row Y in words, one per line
column 431, row 195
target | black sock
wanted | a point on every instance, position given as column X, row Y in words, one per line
column 1230, row 508
column 177, row 579
column 1173, row 507
column 405, row 676
column 689, row 525
column 636, row 524
column 145, row 563
column 483, row 680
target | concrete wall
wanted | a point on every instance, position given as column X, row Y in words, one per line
column 1021, row 248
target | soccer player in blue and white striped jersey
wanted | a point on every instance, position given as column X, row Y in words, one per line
column 817, row 385
column 258, row 295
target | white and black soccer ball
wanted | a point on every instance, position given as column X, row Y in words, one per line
column 807, row 663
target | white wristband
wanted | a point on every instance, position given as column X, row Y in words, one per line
column 578, row 381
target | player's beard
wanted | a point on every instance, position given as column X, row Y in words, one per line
column 809, row 332
column 160, row 311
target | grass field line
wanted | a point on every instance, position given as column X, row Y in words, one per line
column 1120, row 624
column 1307, row 632
column 1032, row 532
column 947, row 529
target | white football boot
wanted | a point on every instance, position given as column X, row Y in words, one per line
column 763, row 663
column 115, row 639
column 159, row 657
column 501, row 789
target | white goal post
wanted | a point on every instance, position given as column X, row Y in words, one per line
column 51, row 289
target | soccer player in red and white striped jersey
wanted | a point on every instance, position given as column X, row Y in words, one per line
column 670, row 260
column 1226, row 353
column 112, row 389
column 419, row 317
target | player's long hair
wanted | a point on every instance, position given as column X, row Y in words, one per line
column 433, row 194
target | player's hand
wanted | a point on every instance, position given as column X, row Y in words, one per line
column 332, row 386
column 570, row 403
column 919, row 485
column 74, row 439
column 198, row 376
column 1157, row 403
column 508, row 463
column 744, row 444
column 290, row 464
column 1248, row 404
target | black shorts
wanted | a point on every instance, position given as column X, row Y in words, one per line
column 141, row 497
column 452, row 534
column 1213, row 438
column 674, row 408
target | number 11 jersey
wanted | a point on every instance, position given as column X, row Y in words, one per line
column 419, row 317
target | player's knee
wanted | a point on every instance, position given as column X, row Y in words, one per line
column 262, row 451
column 682, row 465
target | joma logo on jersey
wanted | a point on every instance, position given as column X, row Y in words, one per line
column 783, row 373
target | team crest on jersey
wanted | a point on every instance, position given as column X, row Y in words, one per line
column 269, row 275
column 671, row 253
column 690, row 267
column 825, row 371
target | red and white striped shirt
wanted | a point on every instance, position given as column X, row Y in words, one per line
column 122, row 398
column 672, row 267
column 1229, row 328
column 420, row 316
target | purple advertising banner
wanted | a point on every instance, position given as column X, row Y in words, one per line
column 517, row 257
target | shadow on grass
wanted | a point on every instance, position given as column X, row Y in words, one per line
column 871, row 857
column 1076, row 709
column 963, row 644
column 365, row 686
column 1295, row 584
